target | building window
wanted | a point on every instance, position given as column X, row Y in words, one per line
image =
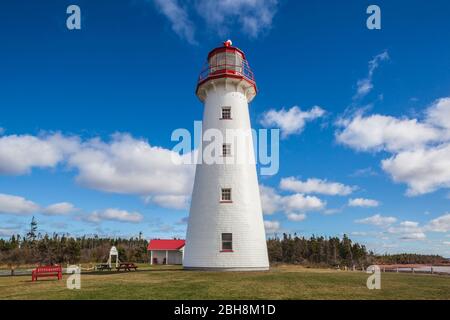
column 227, row 241
column 226, row 195
column 226, row 113
column 226, row 150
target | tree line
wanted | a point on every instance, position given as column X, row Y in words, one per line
column 35, row 248
column 319, row 251
column 411, row 258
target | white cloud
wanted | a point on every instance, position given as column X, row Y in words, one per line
column 273, row 202
column 361, row 202
column 297, row 217
column 178, row 17
column 169, row 201
column 420, row 148
column 130, row 166
column 252, row 17
column 114, row 215
column 121, row 165
column 423, row 170
column 20, row 153
column 10, row 204
column 270, row 200
column 359, row 233
column 315, row 186
column 62, row 208
column 408, row 230
column 301, row 203
column 438, row 114
column 377, row 220
column 377, row 132
column 290, row 121
column 440, row 224
column 271, row 226
column 364, row 86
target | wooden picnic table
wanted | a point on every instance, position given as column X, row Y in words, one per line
column 127, row 266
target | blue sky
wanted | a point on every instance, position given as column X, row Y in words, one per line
column 86, row 115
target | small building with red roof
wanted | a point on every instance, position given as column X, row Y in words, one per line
column 166, row 251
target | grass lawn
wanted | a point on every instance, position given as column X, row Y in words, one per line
column 282, row 282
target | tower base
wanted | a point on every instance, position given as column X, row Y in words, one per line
column 226, row 269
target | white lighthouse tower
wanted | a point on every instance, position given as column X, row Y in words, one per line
column 226, row 229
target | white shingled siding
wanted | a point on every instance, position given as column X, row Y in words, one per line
column 209, row 218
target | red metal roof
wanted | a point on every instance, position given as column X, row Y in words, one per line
column 226, row 49
column 164, row 244
column 226, row 70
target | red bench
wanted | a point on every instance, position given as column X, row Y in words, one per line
column 46, row 271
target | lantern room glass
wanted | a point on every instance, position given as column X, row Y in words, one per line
column 230, row 61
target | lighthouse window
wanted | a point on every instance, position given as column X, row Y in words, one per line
column 226, row 194
column 227, row 241
column 226, row 150
column 226, row 113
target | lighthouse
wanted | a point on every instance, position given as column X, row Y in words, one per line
column 225, row 227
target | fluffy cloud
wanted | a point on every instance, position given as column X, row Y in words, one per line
column 252, row 17
column 130, row 166
column 423, row 170
column 169, row 201
column 10, row 204
column 408, row 230
column 377, row 132
column 121, row 165
column 290, row 121
column 60, row 209
column 297, row 217
column 438, row 114
column 315, row 186
column 364, row 86
column 271, row 226
column 440, row 224
column 178, row 17
column 420, row 148
column 361, row 202
column 114, row 215
column 20, row 153
column 290, row 204
column 301, row 203
column 270, row 200
column 377, row 220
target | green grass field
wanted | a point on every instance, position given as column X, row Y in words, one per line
column 282, row 282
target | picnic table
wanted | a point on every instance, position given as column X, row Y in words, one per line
column 103, row 266
column 127, row 266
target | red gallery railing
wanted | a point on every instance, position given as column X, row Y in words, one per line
column 243, row 70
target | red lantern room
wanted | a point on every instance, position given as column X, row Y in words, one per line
column 227, row 63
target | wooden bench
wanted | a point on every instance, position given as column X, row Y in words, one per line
column 46, row 271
